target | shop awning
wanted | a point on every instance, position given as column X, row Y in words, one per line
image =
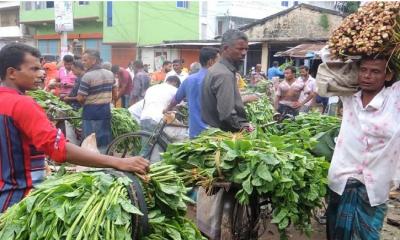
column 306, row 50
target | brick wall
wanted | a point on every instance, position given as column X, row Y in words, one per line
column 299, row 23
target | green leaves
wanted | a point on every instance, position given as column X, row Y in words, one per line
column 280, row 168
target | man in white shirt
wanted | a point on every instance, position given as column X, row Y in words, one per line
column 156, row 100
column 307, row 96
column 177, row 71
column 366, row 157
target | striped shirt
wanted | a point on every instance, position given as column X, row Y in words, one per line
column 97, row 85
column 25, row 136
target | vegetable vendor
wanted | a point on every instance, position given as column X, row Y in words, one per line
column 221, row 104
column 366, row 155
column 26, row 135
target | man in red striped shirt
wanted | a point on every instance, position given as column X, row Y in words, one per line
column 26, row 135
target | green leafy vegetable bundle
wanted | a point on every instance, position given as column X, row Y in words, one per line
column 122, row 122
column 95, row 205
column 77, row 206
column 166, row 200
column 54, row 106
column 260, row 112
column 294, row 181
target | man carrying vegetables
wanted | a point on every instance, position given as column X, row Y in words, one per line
column 366, row 156
column 26, row 134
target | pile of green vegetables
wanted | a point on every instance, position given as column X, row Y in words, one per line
column 95, row 205
column 167, row 203
column 76, row 206
column 54, row 107
column 121, row 120
column 291, row 178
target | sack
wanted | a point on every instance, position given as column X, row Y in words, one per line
column 209, row 213
column 337, row 79
column 90, row 144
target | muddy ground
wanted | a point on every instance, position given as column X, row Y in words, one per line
column 389, row 231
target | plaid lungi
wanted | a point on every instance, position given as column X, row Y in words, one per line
column 351, row 217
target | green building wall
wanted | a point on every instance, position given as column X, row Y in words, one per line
column 151, row 22
column 132, row 21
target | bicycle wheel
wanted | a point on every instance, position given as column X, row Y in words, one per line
column 239, row 222
column 130, row 144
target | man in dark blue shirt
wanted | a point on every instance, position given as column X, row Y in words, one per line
column 191, row 90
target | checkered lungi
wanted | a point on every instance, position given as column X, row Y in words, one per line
column 351, row 217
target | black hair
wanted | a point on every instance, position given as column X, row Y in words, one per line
column 178, row 61
column 68, row 58
column 391, row 67
column 138, row 64
column 231, row 36
column 291, row 68
column 13, row 55
column 165, row 63
column 275, row 63
column 94, row 54
column 115, row 69
column 304, row 67
column 174, row 79
column 78, row 64
column 206, row 54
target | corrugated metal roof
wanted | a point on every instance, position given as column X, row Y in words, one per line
column 300, row 51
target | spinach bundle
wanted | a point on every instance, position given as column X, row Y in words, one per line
column 54, row 107
column 90, row 205
column 122, row 122
column 260, row 112
column 166, row 200
column 95, row 205
column 293, row 181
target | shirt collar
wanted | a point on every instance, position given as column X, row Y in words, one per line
column 228, row 64
column 10, row 90
column 376, row 103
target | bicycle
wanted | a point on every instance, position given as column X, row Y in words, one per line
column 144, row 143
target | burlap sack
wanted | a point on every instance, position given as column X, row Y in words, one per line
column 337, row 79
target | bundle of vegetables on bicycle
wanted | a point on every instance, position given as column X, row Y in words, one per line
column 280, row 168
column 96, row 205
column 121, row 121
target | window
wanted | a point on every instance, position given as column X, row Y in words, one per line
column 109, row 14
column 83, row 2
column 39, row 5
column 220, row 25
column 204, row 8
column 182, row 4
column 203, row 31
column 285, row 3
column 296, row 3
column 28, row 6
column 49, row 4
column 9, row 18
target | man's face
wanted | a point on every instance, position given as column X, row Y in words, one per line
column 76, row 71
column 303, row 73
column 28, row 75
column 168, row 67
column 177, row 67
column 238, row 50
column 372, row 75
column 289, row 75
column 88, row 61
column 68, row 65
column 258, row 68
